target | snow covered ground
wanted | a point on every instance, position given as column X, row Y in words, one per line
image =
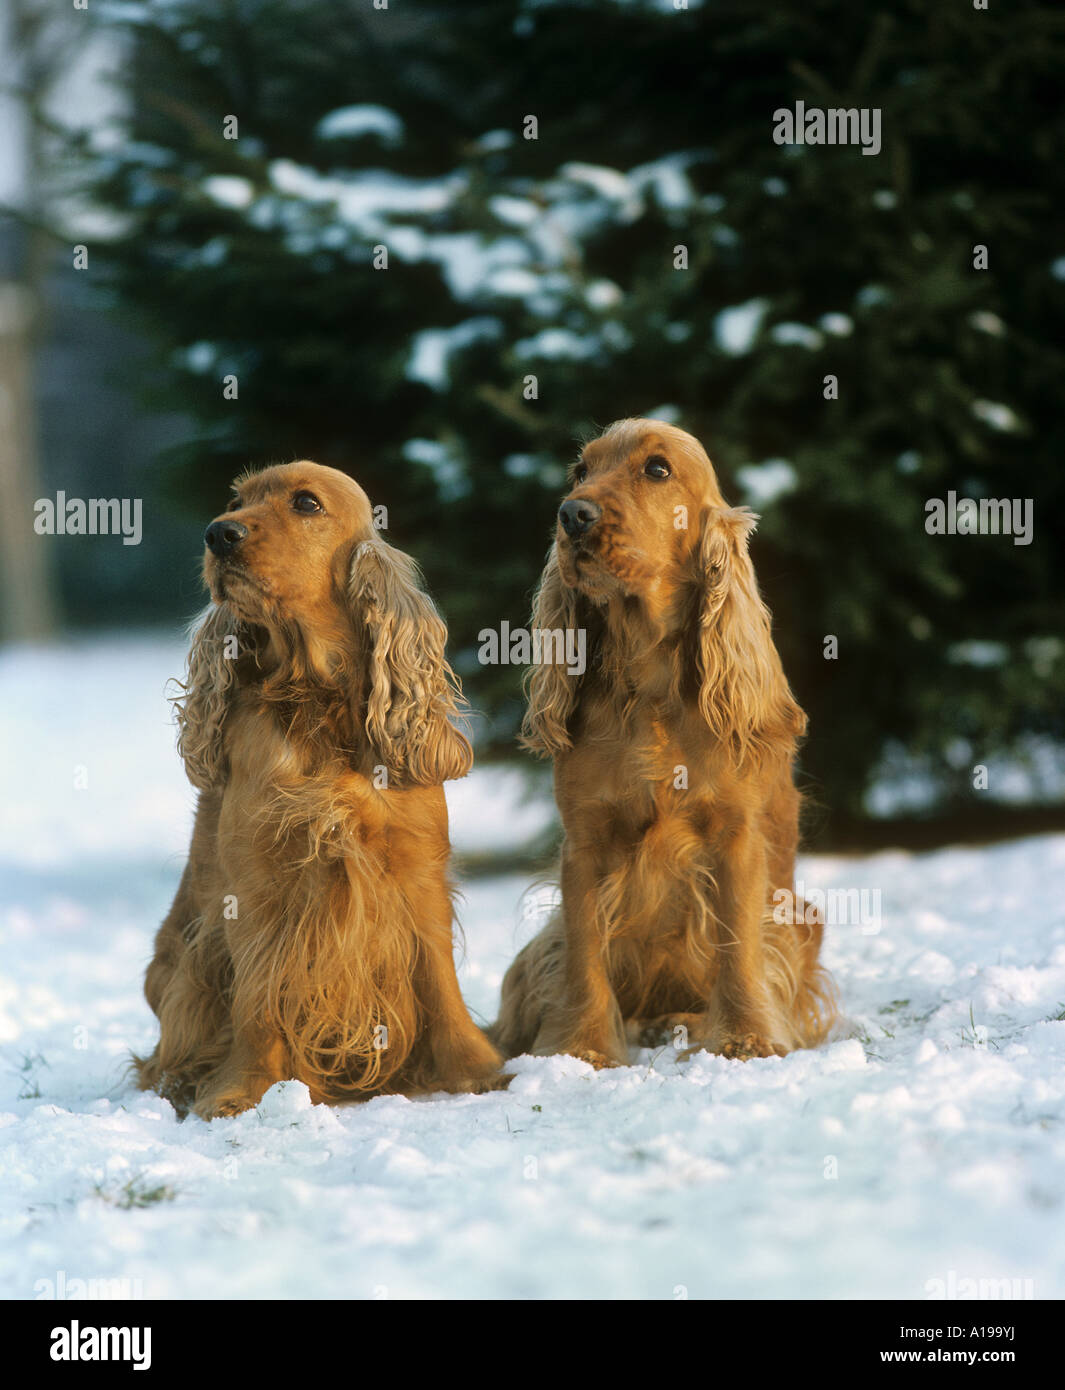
column 922, row 1149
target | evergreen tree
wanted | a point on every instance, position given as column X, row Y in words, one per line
column 586, row 216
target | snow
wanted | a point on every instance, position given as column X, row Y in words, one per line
column 796, row 333
column 361, row 196
column 666, row 6
column 736, row 328
column 448, row 469
column 1032, row 774
column 608, row 184
column 534, row 252
column 197, row 357
column 924, row 1145
column 998, row 416
column 603, row 294
column 229, row 190
column 516, row 212
column 559, row 343
column 839, row 325
column 763, row 483
column 350, row 122
column 433, row 346
column 668, row 178
column 985, row 322
column 493, row 141
column 972, row 653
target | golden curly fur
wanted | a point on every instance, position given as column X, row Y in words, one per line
column 673, row 757
column 311, row 934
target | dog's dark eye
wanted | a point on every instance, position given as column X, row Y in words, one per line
column 306, row 502
column 657, row 467
column 580, row 474
column 234, row 505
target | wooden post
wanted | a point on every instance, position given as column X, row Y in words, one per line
column 27, row 608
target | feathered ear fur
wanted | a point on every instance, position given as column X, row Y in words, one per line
column 550, row 690
column 413, row 691
column 743, row 694
column 210, row 671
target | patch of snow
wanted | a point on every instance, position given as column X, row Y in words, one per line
column 448, row 469
column 668, row 180
column 229, row 190
column 736, row 328
column 973, row 653
column 764, row 483
column 997, row 415
column 985, row 322
column 433, row 347
column 839, row 325
column 350, row 122
column 559, row 343
column 800, row 334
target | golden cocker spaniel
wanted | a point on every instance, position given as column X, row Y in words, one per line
column 311, row 934
column 673, row 757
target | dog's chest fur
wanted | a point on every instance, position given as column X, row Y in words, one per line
column 661, row 811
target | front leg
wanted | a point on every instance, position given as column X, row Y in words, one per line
column 739, row 1020
column 463, row 1059
column 256, row 1060
column 583, row 1018
column 186, row 987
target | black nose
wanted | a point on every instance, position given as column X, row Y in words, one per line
column 223, row 537
column 578, row 517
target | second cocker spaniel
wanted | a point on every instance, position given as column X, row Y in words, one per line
column 673, row 757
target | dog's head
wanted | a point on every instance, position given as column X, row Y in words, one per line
column 641, row 495
column 646, row 536
column 304, row 590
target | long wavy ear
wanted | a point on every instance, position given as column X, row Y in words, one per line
column 743, row 694
column 550, row 690
column 414, row 694
column 216, row 642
